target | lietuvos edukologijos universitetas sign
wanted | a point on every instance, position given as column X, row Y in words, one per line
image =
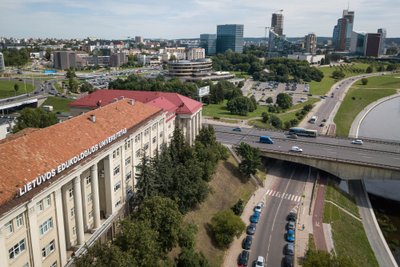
column 65, row 165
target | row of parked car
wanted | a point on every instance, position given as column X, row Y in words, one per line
column 243, row 258
column 290, row 238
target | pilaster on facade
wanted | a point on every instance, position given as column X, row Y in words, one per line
column 109, row 185
column 78, row 211
column 3, row 260
column 60, row 226
column 95, row 195
column 34, row 235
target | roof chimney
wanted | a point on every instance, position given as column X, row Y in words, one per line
column 93, row 118
column 131, row 101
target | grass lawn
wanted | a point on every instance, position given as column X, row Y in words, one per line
column 359, row 96
column 342, row 199
column 349, row 237
column 7, row 88
column 322, row 87
column 59, row 104
column 220, row 110
column 227, row 188
column 59, row 87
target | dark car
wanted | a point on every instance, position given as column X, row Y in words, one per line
column 246, row 244
column 289, row 249
column 291, row 225
column 237, row 129
column 292, row 216
column 255, row 217
column 288, row 261
column 243, row 258
column 251, row 229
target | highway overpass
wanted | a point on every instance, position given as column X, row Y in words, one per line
column 22, row 100
column 372, row 160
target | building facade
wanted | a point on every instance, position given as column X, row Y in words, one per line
column 310, row 43
column 230, row 37
column 195, row 53
column 343, row 30
column 277, row 23
column 66, row 186
column 372, row 44
column 357, row 43
column 209, row 43
column 64, row 60
column 382, row 31
column 2, row 65
column 190, row 69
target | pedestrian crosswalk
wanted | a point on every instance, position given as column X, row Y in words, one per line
column 287, row 196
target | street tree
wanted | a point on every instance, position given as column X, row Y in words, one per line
column 364, row 81
column 284, row 100
column 225, row 226
column 16, row 88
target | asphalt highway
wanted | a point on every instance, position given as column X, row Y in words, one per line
column 283, row 196
column 370, row 153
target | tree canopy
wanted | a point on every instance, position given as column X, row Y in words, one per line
column 34, row 118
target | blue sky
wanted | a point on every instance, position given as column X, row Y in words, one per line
column 186, row 18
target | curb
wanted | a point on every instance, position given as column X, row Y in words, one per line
column 355, row 126
column 377, row 226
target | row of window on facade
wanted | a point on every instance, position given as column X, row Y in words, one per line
column 20, row 247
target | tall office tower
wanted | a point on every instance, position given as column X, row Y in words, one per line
column 343, row 30
column 209, row 43
column 139, row 39
column 382, row 31
column 372, row 44
column 230, row 37
column 357, row 43
column 277, row 23
column 311, row 43
column 64, row 59
column 2, row 65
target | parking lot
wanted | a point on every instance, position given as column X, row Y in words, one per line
column 263, row 90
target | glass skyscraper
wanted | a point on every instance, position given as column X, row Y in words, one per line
column 209, row 43
column 230, row 37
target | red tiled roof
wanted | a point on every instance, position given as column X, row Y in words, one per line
column 26, row 155
column 180, row 104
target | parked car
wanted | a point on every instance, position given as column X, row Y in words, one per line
column 289, row 249
column 288, row 261
column 237, row 129
column 290, row 235
column 357, row 142
column 296, row 149
column 260, row 261
column 251, row 229
column 243, row 258
column 247, row 241
column 291, row 225
column 255, row 217
column 259, row 207
column 292, row 216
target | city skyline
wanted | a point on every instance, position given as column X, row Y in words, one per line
column 170, row 20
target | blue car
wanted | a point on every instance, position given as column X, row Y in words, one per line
column 290, row 235
column 255, row 217
column 237, row 129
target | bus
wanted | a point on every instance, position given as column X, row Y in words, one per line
column 313, row 119
column 302, row 132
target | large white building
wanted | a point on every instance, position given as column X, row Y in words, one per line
column 67, row 185
column 2, row 65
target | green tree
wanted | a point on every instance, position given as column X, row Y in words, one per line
column 139, row 240
column 284, row 100
column 269, row 100
column 240, row 105
column 34, row 118
column 265, row 117
column 251, row 159
column 364, row 81
column 145, row 186
column 70, row 73
column 47, row 55
column 190, row 258
column 87, row 87
column 369, row 69
column 105, row 255
column 73, row 85
column 162, row 215
column 16, row 88
column 225, row 226
column 276, row 121
column 338, row 74
column 308, row 107
column 238, row 207
column 187, row 237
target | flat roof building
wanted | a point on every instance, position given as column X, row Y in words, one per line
column 230, row 37
column 2, row 65
column 209, row 43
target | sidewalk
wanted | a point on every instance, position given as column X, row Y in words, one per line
column 304, row 218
